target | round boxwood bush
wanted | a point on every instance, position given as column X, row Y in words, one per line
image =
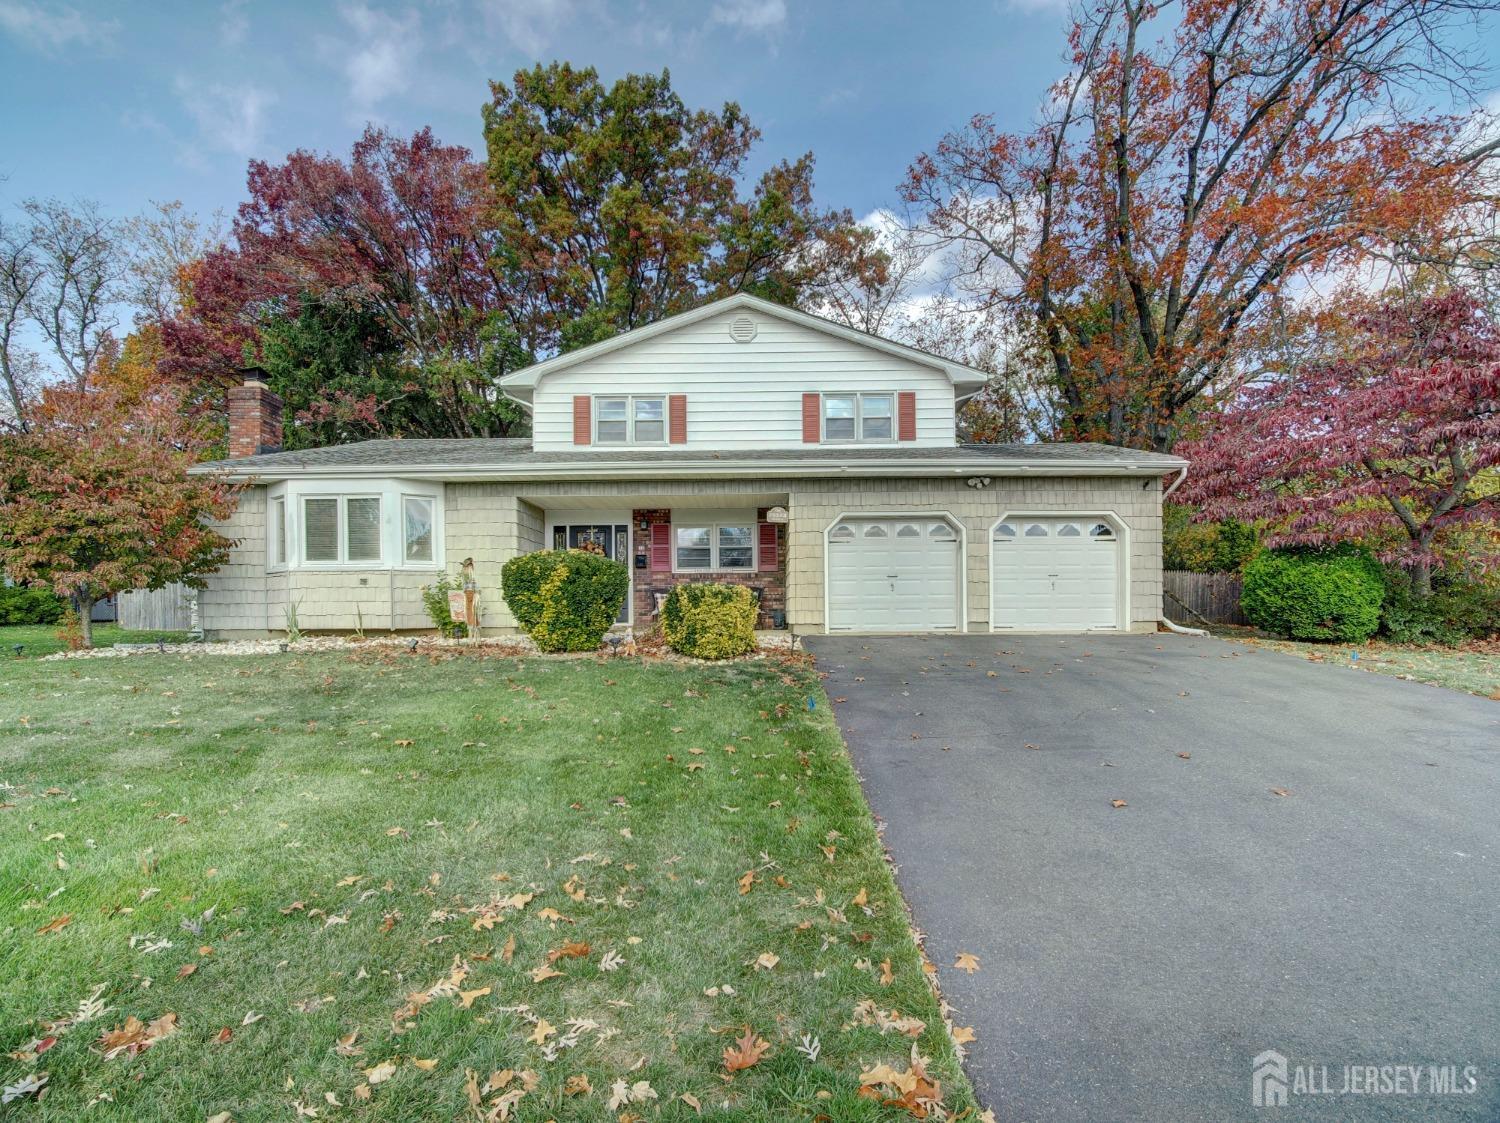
column 1314, row 594
column 565, row 600
column 709, row 621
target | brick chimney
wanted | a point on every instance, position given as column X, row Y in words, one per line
column 254, row 416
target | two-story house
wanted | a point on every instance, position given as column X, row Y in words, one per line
column 741, row 442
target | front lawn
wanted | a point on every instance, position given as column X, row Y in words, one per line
column 385, row 886
column 1474, row 669
column 42, row 639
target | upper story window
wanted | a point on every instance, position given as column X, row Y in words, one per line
column 858, row 417
column 633, row 419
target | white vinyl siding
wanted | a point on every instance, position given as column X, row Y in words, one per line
column 740, row 395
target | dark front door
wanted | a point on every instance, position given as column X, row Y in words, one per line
column 611, row 540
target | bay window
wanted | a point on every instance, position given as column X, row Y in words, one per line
column 341, row 528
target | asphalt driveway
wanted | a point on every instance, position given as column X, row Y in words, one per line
column 1134, row 960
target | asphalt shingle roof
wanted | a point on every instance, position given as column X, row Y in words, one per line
column 480, row 453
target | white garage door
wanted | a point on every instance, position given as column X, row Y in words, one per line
column 893, row 575
column 1055, row 574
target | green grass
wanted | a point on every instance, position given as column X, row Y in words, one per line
column 1474, row 669
column 340, row 815
column 42, row 639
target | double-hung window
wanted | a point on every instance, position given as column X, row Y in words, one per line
column 631, row 419
column 716, row 546
column 341, row 528
column 858, row 417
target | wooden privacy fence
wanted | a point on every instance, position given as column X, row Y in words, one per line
column 155, row 610
column 1198, row 598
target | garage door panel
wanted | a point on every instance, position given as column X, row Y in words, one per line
column 1054, row 574
column 895, row 575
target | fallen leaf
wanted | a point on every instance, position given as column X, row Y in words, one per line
column 56, row 924
column 1280, row 791
column 378, row 1074
column 426, row 1064
column 544, row 1029
column 577, row 1085
column 186, row 969
column 224, row 1036
column 747, row 1051
column 967, row 961
column 543, row 973
column 963, row 1035
column 766, row 960
column 1118, row 803
column 466, row 997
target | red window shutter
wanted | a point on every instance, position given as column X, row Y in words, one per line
column 812, row 421
column 661, row 548
column 906, row 416
column 583, row 419
column 677, row 419
column 766, row 554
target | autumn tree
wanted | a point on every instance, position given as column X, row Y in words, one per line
column 95, row 497
column 1395, row 439
column 1188, row 178
column 397, row 236
column 617, row 205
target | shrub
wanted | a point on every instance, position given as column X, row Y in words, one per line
column 565, row 600
column 435, row 601
column 22, row 605
column 709, row 621
column 1314, row 594
column 1204, row 547
column 1459, row 609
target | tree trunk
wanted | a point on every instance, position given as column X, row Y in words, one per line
column 83, row 605
column 1421, row 579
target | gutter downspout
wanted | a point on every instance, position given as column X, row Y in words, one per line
column 1171, row 626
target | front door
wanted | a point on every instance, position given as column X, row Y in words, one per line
column 610, row 539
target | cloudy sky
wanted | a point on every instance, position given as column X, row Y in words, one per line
column 125, row 102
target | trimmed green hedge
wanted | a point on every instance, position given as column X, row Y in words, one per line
column 1314, row 594
column 709, row 621
column 22, row 605
column 565, row 600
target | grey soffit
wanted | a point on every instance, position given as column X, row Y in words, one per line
column 508, row 455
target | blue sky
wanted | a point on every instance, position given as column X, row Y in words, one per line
column 127, row 102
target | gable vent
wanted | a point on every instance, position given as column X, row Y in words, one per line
column 742, row 329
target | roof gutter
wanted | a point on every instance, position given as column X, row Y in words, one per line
column 616, row 470
column 1175, row 484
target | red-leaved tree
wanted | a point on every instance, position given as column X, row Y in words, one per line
column 1392, row 443
column 95, row 498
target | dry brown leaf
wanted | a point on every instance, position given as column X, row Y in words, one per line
column 571, row 949
column 887, row 976
column 379, row 1074
column 224, row 1036
column 967, row 961
column 56, row 924
column 747, row 1051
column 186, row 969
column 692, row 1101
column 746, row 880
column 544, row 1029
column 766, row 960
column 577, row 1085
column 466, row 997
column 1118, row 803
column 1280, row 791
column 543, row 973
column 963, row 1035
column 508, row 952
column 426, row 1064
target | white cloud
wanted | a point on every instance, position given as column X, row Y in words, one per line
column 761, row 17
column 230, row 118
column 378, row 61
column 529, row 25
column 234, row 24
column 52, row 29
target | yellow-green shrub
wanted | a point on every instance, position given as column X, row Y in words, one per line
column 565, row 600
column 709, row 621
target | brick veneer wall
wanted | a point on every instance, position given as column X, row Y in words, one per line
column 772, row 583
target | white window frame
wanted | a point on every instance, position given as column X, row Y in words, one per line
column 406, row 560
column 630, row 418
column 278, row 544
column 392, row 495
column 859, row 397
column 713, row 528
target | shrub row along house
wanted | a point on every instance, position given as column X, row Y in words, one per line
column 742, row 442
